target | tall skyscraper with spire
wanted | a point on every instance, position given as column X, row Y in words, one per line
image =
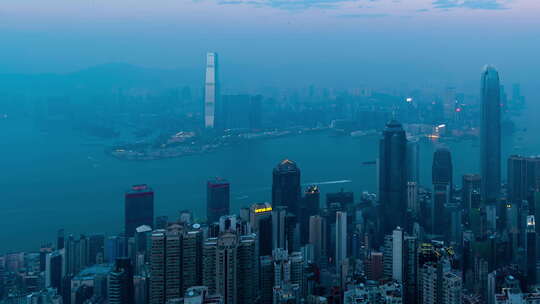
column 211, row 90
column 490, row 135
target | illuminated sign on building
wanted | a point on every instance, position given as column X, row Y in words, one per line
column 266, row 209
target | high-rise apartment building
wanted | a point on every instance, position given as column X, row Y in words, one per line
column 341, row 238
column 121, row 290
column 175, row 262
column 398, row 254
column 192, row 240
column 230, row 267
column 317, row 237
column 54, row 269
column 388, row 260
column 532, row 245
column 452, row 288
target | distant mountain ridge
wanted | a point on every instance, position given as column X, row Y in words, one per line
column 102, row 77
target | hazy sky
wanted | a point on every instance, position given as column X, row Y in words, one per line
column 283, row 42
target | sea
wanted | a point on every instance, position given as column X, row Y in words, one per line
column 56, row 178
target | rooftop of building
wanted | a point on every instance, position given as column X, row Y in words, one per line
column 218, row 182
column 140, row 189
column 143, row 228
column 93, row 271
column 393, row 124
column 286, row 165
column 312, row 189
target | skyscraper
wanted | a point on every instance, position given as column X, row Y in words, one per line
column 230, row 267
column 413, row 161
column 261, row 222
column 317, row 236
column 309, row 207
column 121, row 282
column 442, row 174
column 442, row 170
column 449, row 104
column 266, row 281
column 523, row 177
column 60, row 239
column 255, row 112
column 217, row 199
column 341, row 238
column 211, row 90
column 139, row 208
column 392, row 177
column 470, row 184
column 279, row 227
column 286, row 187
column 247, row 269
column 192, row 242
column 236, row 111
column 175, row 262
column 413, row 202
column 398, row 255
column 452, row 288
column 490, row 135
column 54, row 269
column 531, row 250
column 96, row 249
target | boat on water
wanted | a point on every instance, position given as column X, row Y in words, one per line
column 362, row 133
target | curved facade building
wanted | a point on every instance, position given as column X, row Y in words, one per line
column 490, row 135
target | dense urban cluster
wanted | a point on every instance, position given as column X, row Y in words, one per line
column 408, row 243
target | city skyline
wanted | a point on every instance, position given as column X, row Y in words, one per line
column 278, row 152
